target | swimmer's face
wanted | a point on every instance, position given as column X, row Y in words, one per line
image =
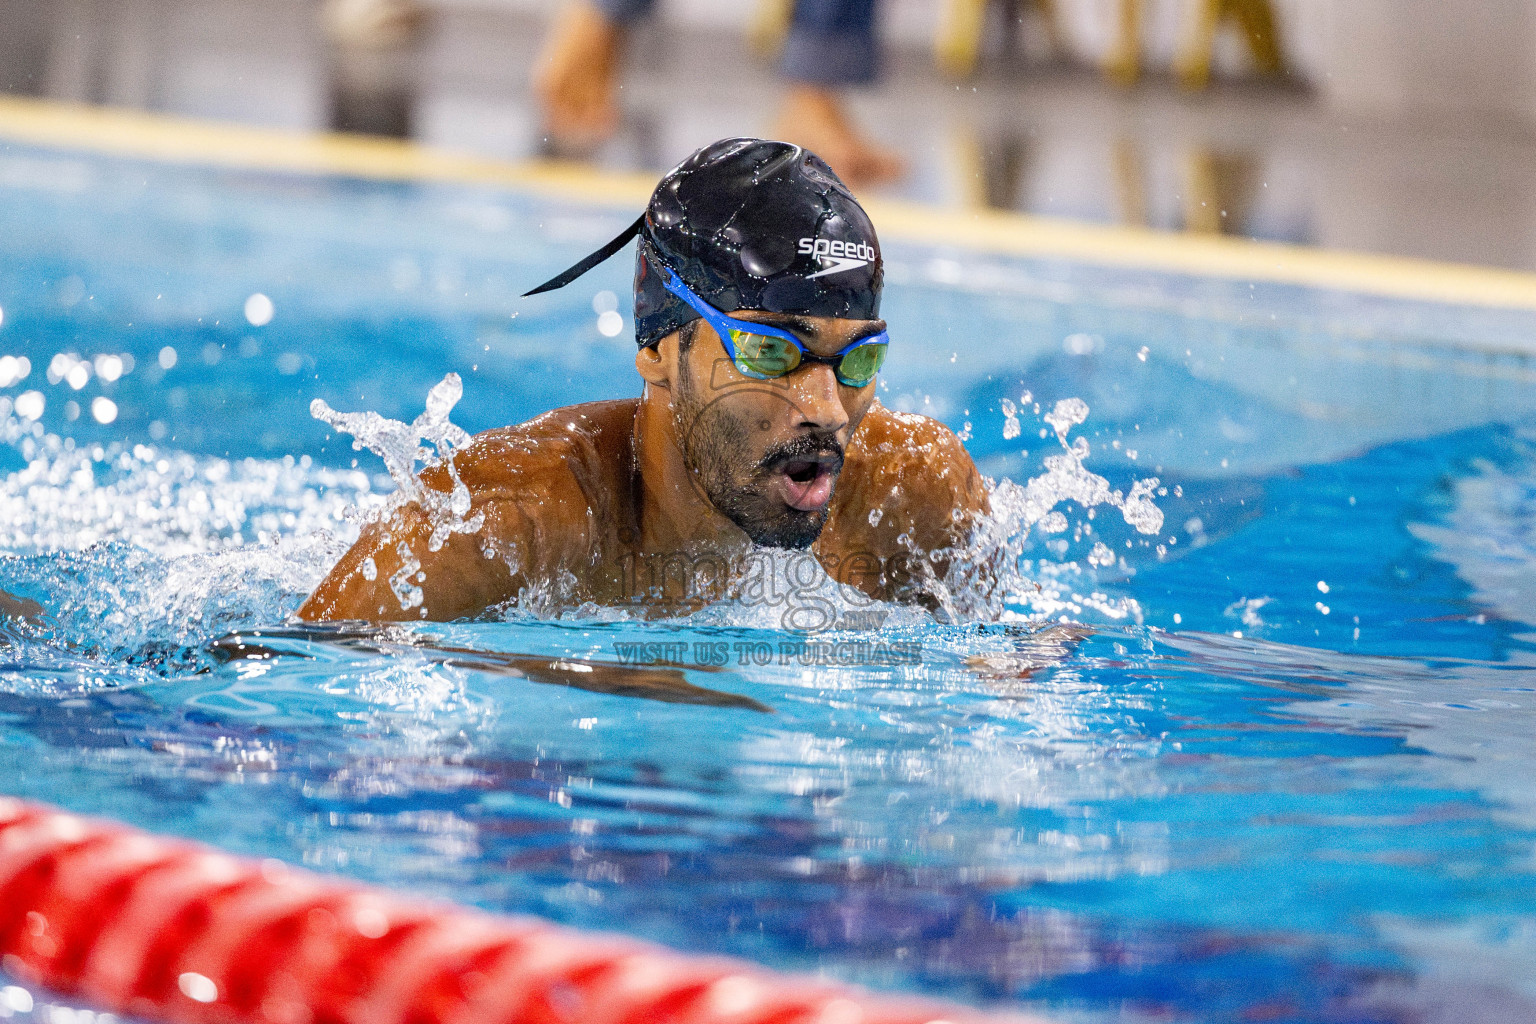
column 767, row 453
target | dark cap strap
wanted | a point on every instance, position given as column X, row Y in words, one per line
column 566, row 277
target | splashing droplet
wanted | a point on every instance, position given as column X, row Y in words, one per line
column 398, row 445
column 1011, row 426
column 1068, row 413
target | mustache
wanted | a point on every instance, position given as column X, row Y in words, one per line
column 806, row 448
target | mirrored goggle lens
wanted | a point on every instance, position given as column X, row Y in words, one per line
column 764, row 356
column 859, row 367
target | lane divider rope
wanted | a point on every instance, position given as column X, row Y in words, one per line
column 168, row 930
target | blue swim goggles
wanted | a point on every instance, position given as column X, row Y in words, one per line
column 765, row 353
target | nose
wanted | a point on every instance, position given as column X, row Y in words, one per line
column 818, row 401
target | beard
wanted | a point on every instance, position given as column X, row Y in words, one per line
column 715, row 445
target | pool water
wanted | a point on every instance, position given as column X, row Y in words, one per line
column 1271, row 762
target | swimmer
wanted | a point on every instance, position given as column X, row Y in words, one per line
column 757, row 305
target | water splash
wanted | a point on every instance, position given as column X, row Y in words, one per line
column 1011, row 427
column 994, row 578
column 134, row 551
column 398, row 444
column 1067, row 479
column 137, row 549
column 1068, row 413
column 69, row 497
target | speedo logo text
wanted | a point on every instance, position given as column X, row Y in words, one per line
column 842, row 255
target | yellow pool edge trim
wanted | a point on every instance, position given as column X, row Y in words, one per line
column 172, row 139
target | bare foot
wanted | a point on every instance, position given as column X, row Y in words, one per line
column 574, row 78
column 814, row 118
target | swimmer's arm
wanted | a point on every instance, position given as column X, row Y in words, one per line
column 969, row 500
column 373, row 582
column 945, row 508
column 928, row 490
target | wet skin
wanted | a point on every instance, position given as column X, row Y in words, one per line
column 656, row 502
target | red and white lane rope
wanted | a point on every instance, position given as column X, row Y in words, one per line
column 168, row 930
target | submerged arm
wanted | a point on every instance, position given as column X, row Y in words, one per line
column 13, row 607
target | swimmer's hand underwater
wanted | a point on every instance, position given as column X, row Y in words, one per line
column 13, row 607
column 757, row 315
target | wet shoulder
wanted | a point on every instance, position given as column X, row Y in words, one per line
column 906, row 443
column 914, row 471
column 586, row 447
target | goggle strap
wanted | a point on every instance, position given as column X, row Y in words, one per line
column 565, row 277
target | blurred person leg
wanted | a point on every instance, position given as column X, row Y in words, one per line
column 1218, row 191
column 576, row 76
column 963, row 31
column 1122, row 65
column 770, row 25
column 831, row 45
column 1130, row 177
column 957, row 48
column 1260, row 29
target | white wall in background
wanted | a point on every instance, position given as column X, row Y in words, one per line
column 1434, row 57
column 261, row 63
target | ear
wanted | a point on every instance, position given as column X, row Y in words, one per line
column 658, row 363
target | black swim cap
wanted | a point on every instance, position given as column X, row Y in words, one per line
column 749, row 224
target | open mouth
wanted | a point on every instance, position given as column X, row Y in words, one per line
column 807, row 483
